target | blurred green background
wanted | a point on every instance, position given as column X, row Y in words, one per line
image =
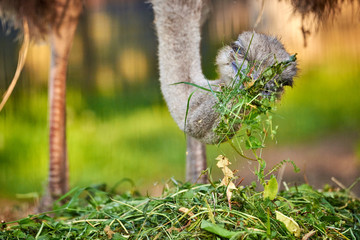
column 119, row 126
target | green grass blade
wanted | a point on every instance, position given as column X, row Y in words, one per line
column 216, row 229
column 187, row 109
column 194, row 85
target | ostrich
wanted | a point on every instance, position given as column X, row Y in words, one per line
column 178, row 25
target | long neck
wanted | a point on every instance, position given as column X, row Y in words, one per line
column 178, row 25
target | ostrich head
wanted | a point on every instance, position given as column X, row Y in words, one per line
column 263, row 51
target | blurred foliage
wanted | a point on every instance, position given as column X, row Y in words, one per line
column 325, row 99
column 106, row 138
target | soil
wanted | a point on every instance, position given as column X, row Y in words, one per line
column 11, row 210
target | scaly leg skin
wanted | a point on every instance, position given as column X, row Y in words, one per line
column 195, row 160
column 61, row 38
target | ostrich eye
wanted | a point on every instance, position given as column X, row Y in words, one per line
column 236, row 48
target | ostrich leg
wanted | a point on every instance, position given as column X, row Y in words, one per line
column 195, row 160
column 61, row 38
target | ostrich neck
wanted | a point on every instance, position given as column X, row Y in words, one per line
column 178, row 26
column 179, row 51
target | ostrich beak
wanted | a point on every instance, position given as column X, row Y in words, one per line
column 236, row 70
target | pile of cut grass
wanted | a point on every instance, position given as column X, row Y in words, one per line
column 186, row 211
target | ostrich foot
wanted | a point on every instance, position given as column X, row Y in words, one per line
column 46, row 203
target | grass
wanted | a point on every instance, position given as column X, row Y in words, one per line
column 187, row 211
column 246, row 99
